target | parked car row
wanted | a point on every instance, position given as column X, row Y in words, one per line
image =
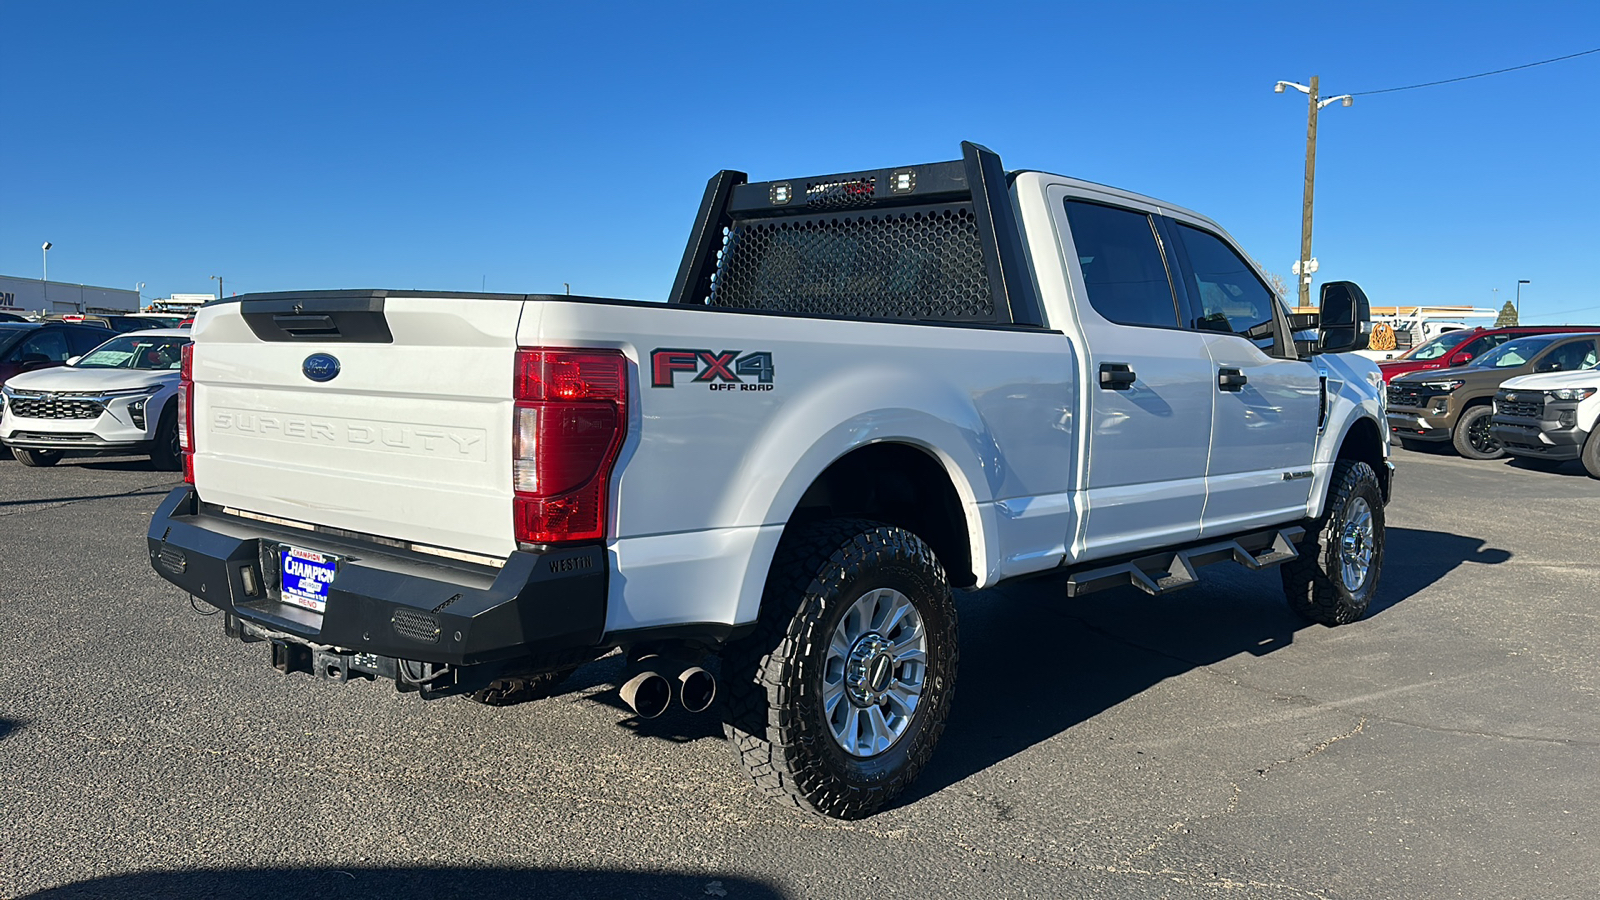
column 1528, row 397
column 1463, row 345
column 116, row 395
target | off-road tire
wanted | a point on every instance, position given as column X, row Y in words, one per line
column 513, row 689
column 1313, row 582
column 773, row 711
column 166, row 455
column 37, row 459
column 1461, row 437
column 1591, row 453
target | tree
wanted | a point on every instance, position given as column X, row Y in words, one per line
column 1508, row 315
column 1280, row 288
column 1276, row 282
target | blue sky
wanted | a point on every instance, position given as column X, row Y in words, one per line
column 519, row 146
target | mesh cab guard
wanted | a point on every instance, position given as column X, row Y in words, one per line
column 935, row 242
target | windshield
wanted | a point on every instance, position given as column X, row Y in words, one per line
column 159, row 321
column 136, row 351
column 1440, row 345
column 1513, row 354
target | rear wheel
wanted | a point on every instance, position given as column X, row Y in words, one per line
column 1591, row 453
column 36, row 458
column 1472, row 437
column 836, row 701
column 1336, row 574
column 167, row 455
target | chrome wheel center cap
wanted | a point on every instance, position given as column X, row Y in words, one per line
column 869, row 670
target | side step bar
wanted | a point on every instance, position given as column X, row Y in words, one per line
column 1172, row 570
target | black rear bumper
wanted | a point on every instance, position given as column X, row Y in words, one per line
column 385, row 603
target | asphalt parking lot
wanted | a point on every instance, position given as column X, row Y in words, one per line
column 1203, row 745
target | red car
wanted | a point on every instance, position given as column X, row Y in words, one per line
column 1462, row 346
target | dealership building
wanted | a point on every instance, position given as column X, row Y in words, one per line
column 30, row 295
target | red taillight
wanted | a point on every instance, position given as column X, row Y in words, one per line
column 186, row 411
column 570, row 418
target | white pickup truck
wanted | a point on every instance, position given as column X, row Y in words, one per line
column 867, row 389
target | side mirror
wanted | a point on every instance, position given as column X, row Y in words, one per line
column 74, row 360
column 1459, row 358
column 1346, row 318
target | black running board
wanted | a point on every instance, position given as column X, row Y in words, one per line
column 1172, row 570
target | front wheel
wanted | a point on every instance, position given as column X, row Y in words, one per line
column 37, row 459
column 1472, row 437
column 835, row 702
column 1336, row 574
column 167, row 453
column 1591, row 453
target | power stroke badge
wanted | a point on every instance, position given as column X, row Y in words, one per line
column 724, row 371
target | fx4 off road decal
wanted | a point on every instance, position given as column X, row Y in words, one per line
column 725, row 371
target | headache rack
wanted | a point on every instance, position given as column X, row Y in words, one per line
column 937, row 242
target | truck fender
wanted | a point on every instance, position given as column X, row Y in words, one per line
column 787, row 458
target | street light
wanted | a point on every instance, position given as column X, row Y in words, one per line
column 218, row 280
column 1316, row 104
column 44, row 250
column 1520, row 283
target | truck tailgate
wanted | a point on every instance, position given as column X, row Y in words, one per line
column 408, row 438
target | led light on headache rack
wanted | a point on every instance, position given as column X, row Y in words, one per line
column 1571, row 393
column 903, row 181
column 780, row 193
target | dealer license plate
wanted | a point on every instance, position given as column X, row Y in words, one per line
column 305, row 575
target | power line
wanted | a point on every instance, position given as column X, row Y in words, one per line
column 1412, row 87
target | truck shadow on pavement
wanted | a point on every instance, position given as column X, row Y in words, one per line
column 354, row 883
column 9, row 727
column 1035, row 663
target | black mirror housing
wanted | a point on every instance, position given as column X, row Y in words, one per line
column 1345, row 316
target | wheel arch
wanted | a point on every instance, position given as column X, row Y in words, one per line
column 1364, row 442
column 902, row 484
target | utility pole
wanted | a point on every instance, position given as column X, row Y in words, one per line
column 1316, row 103
column 1305, row 210
column 218, row 280
column 1520, row 283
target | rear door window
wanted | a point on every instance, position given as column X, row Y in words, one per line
column 1569, row 357
column 1123, row 268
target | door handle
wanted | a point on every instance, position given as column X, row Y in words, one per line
column 1116, row 376
column 1232, row 379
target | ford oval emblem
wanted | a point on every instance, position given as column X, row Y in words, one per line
column 320, row 367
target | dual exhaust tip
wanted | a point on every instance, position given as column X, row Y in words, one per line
column 652, row 682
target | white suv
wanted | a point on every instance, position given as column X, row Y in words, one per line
column 1551, row 416
column 119, row 397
